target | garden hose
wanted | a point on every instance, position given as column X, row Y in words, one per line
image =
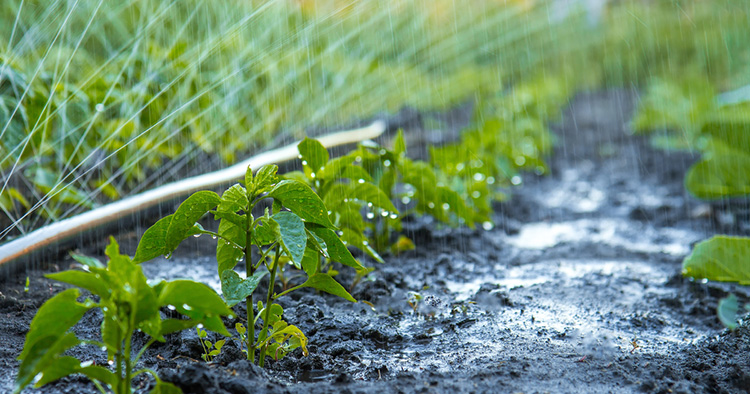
column 15, row 254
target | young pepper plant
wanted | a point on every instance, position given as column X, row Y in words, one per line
column 297, row 230
column 128, row 304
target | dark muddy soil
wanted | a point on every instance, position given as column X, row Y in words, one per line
column 576, row 289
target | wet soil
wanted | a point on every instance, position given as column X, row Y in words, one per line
column 576, row 289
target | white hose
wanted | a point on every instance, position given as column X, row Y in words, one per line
column 67, row 228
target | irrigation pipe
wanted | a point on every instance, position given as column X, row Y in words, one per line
column 66, row 229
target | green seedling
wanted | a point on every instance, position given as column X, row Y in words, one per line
column 210, row 350
column 26, row 285
column 729, row 311
column 296, row 231
column 128, row 304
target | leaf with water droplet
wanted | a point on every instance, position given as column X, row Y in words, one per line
column 237, row 289
column 302, row 200
column 292, row 236
column 721, row 258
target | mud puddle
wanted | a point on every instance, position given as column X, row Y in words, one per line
column 576, row 289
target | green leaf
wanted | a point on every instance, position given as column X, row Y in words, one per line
column 85, row 280
column 728, row 311
column 333, row 169
column 371, row 194
column 237, row 289
column 292, row 236
column 265, row 179
column 227, row 255
column 325, row 282
column 187, row 214
column 301, row 200
column 44, row 353
column 55, row 317
column 163, row 387
column 719, row 176
column 721, row 258
column 153, row 242
column 336, row 248
column 399, row 144
column 233, row 199
column 195, row 300
column 311, row 261
column 314, row 154
column 87, row 261
column 248, row 177
column 266, row 231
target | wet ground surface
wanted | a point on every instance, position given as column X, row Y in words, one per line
column 576, row 289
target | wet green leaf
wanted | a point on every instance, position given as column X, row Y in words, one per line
column 237, row 289
column 325, row 282
column 85, row 280
column 227, row 255
column 163, row 387
column 719, row 176
column 265, row 179
column 233, row 199
column 192, row 209
column 153, row 242
column 292, row 236
column 336, row 249
column 301, row 200
column 728, row 311
column 195, row 300
column 721, row 258
column 314, row 155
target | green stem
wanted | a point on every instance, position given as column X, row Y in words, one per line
column 250, row 270
column 143, row 349
column 128, row 363
column 268, row 303
column 288, row 291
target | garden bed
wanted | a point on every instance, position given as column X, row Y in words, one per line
column 576, row 289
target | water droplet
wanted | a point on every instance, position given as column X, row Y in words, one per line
column 104, row 348
column 520, row 160
column 99, row 107
column 346, row 200
column 196, row 235
column 365, row 243
column 171, row 307
column 476, row 194
column 387, row 163
column 516, row 180
column 370, row 215
column 384, row 214
column 312, row 175
column 394, row 216
column 168, row 255
column 105, row 309
column 299, row 157
column 405, row 200
column 478, row 177
column 304, row 162
column 85, row 364
column 200, row 326
column 488, row 226
column 431, row 205
column 340, row 233
column 369, row 205
column 446, row 206
column 358, row 159
column 360, row 180
column 704, row 281
column 383, row 152
column 37, row 378
column 111, row 362
column 213, row 237
column 459, row 166
column 230, row 317
column 491, row 180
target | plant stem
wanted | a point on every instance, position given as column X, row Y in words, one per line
column 268, row 302
column 249, row 270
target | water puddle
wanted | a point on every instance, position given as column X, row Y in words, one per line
column 630, row 235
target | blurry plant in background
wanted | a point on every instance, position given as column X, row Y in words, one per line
column 101, row 99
